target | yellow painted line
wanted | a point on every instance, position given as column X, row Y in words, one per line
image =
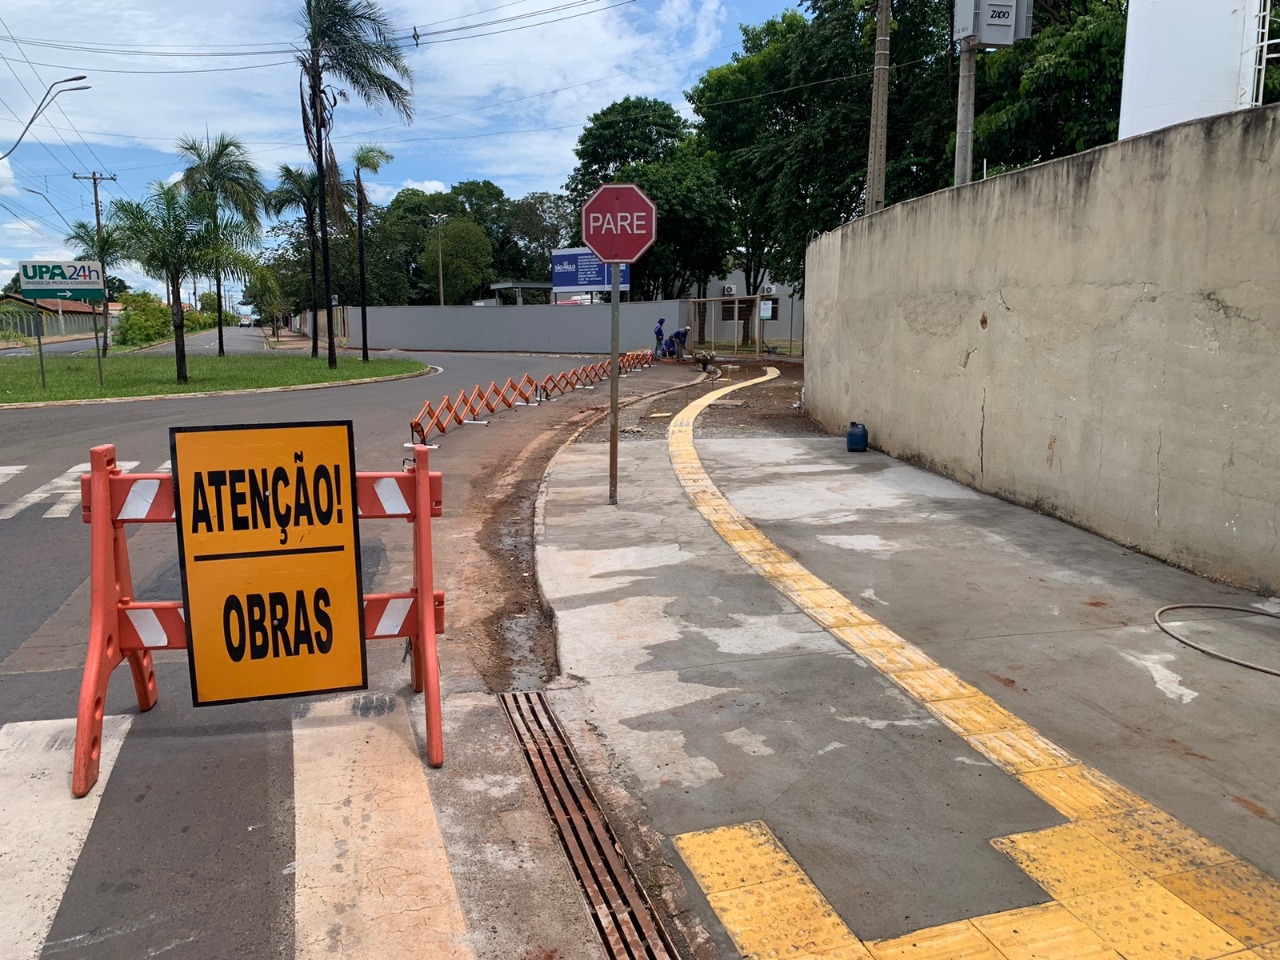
column 1127, row 880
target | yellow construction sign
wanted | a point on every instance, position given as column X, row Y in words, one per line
column 270, row 559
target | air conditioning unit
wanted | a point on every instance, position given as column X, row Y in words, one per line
column 769, row 290
column 730, row 289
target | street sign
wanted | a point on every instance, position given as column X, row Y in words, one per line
column 578, row 270
column 61, row 279
column 619, row 223
column 270, row 559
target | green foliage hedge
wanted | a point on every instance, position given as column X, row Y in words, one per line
column 147, row 319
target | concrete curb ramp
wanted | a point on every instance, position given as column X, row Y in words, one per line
column 1126, row 880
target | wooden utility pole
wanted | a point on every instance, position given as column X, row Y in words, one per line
column 878, row 151
column 964, row 112
column 106, row 294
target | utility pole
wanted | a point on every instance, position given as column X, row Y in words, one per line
column 440, row 218
column 878, row 151
column 964, row 112
column 106, row 295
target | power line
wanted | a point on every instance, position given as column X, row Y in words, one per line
column 55, row 103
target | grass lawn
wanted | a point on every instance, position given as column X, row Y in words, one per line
column 129, row 375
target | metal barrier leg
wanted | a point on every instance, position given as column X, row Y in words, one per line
column 425, row 648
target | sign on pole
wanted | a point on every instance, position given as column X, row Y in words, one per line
column 270, row 559
column 619, row 223
column 61, row 279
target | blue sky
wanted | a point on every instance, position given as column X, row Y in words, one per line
column 503, row 102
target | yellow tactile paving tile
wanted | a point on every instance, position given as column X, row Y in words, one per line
column 724, row 858
column 801, row 582
column 1270, row 951
column 1068, row 861
column 1081, row 793
column 1144, row 921
column 1236, row 896
column 902, row 658
column 869, row 634
column 1045, row 932
column 951, row 941
column 972, row 715
column 1157, row 844
column 936, row 684
column 781, row 918
column 832, row 618
column 1021, row 750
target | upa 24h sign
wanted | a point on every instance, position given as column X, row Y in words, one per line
column 270, row 559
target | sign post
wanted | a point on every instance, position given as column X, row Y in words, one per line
column 619, row 223
column 270, row 560
column 66, row 280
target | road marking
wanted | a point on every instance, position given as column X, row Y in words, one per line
column 1127, row 877
column 372, row 878
column 8, row 473
column 66, row 489
column 44, row 827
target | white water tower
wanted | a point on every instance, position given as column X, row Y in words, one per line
column 1186, row 59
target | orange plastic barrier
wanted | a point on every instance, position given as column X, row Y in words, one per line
column 455, row 411
column 121, row 628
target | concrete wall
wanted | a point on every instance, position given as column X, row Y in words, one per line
column 531, row 329
column 1097, row 337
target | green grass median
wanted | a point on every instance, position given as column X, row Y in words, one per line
column 125, row 375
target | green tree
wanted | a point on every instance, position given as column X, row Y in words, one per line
column 222, row 169
column 543, row 222
column 348, row 42
column 1055, row 94
column 627, row 133
column 169, row 234
column 409, row 223
column 14, row 285
column 369, row 157
column 116, row 286
column 296, row 190
column 695, row 237
column 467, row 261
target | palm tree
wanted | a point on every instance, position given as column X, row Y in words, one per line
column 371, row 157
column 223, row 170
column 349, row 41
column 170, row 235
column 296, row 190
column 101, row 245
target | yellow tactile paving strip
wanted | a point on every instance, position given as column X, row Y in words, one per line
column 1126, row 880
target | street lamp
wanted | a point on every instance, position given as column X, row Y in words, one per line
column 440, row 218
column 40, row 108
column 49, row 202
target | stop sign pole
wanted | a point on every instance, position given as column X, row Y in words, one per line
column 619, row 223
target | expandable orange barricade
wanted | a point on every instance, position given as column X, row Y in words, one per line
column 122, row 628
column 466, row 407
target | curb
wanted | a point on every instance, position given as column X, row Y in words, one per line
column 430, row 371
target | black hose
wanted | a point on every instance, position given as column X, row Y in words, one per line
column 1205, row 650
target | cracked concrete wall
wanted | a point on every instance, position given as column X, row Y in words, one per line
column 1096, row 337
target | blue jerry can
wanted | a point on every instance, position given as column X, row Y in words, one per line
column 856, row 438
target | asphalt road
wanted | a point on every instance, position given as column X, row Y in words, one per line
column 193, row 846
column 63, row 347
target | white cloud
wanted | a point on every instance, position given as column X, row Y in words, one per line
column 385, row 192
column 506, row 107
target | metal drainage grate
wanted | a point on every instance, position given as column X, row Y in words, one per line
column 623, row 915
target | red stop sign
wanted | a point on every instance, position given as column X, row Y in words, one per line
column 619, row 223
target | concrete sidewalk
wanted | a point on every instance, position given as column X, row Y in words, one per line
column 978, row 738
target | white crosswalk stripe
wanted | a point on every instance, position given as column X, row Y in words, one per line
column 65, row 489
column 45, row 828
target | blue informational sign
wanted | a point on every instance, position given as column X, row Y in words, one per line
column 578, row 270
